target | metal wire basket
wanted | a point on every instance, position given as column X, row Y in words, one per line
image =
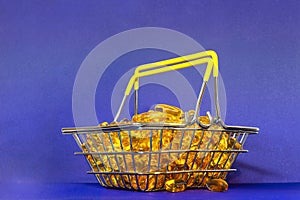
column 145, row 156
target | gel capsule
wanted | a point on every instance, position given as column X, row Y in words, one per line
column 204, row 119
column 172, row 110
column 104, row 124
column 232, row 143
column 175, row 185
column 217, row 185
column 125, row 121
column 180, row 163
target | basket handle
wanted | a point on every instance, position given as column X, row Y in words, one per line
column 181, row 59
column 178, row 63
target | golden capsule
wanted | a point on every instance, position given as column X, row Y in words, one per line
column 151, row 182
column 143, row 117
column 157, row 117
column 104, row 124
column 142, row 180
column 136, row 118
column 154, row 117
column 161, row 178
column 180, row 162
column 166, row 141
column 125, row 121
column 189, row 115
column 121, row 181
column 204, row 120
column 125, row 141
column 83, row 147
column 233, row 144
column 107, row 181
column 170, row 186
column 94, row 167
column 193, row 165
column 182, row 176
column 193, row 180
column 172, row 110
column 217, row 185
column 144, row 145
column 175, row 185
column 100, row 165
column 134, row 182
column 114, row 180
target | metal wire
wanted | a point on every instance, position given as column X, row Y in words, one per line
column 116, row 173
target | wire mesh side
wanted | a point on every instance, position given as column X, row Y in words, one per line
column 146, row 159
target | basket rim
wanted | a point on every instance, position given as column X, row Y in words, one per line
column 155, row 126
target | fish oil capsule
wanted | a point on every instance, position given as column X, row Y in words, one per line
column 170, row 185
column 151, row 183
column 223, row 144
column 175, row 185
column 172, row 110
column 126, row 144
column 232, row 143
column 217, row 185
column 133, row 181
column 155, row 117
column 100, row 165
column 180, row 163
column 125, row 121
column 103, row 124
column 160, row 181
column 145, row 117
column 189, row 115
column 107, row 181
column 83, row 146
column 204, row 120
column 142, row 181
column 114, row 180
column 113, row 123
column 158, row 117
column 135, row 118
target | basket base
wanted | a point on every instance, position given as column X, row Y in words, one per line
column 152, row 183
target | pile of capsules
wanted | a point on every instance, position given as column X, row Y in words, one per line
column 162, row 159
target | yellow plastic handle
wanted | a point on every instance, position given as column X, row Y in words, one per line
column 138, row 74
column 181, row 59
column 198, row 55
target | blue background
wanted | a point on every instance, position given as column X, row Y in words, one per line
column 43, row 43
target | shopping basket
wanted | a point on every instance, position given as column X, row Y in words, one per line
column 145, row 156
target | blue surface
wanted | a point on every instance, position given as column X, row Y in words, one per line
column 94, row 191
column 43, row 43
